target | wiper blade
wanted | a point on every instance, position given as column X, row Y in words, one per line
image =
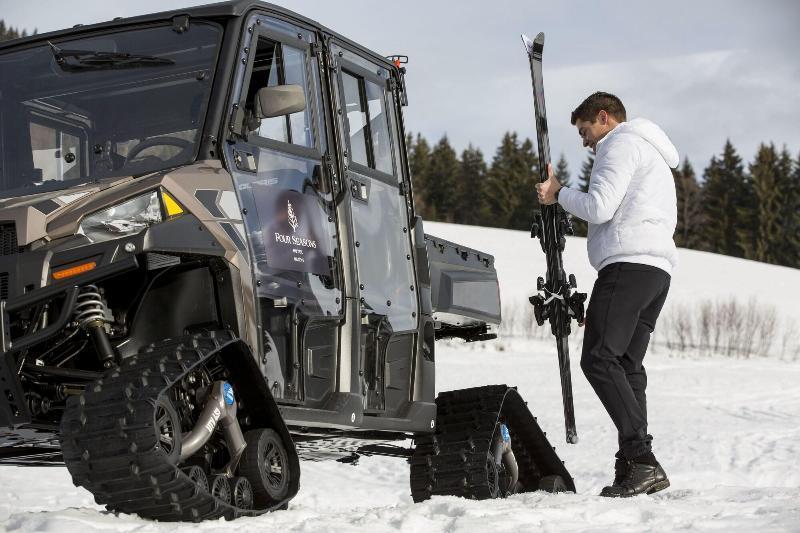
column 81, row 60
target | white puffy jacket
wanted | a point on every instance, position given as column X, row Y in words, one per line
column 631, row 206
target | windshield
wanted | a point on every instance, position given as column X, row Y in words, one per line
column 119, row 104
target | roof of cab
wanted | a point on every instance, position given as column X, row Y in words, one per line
column 231, row 9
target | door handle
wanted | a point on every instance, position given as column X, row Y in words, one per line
column 359, row 190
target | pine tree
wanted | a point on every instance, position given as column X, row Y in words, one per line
column 511, row 192
column 586, row 173
column 443, row 177
column 528, row 162
column 723, row 188
column 746, row 209
column 419, row 154
column 790, row 215
column 765, row 179
column 561, row 171
column 789, row 194
column 690, row 207
column 471, row 204
column 580, row 226
column 7, row 32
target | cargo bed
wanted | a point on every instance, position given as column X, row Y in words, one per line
column 464, row 288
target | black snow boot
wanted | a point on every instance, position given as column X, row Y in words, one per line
column 620, row 471
column 643, row 476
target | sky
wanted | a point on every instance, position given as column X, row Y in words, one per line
column 706, row 71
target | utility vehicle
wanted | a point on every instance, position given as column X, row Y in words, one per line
column 211, row 268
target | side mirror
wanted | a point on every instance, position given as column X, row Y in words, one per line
column 279, row 100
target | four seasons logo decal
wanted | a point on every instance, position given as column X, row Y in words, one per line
column 293, row 222
column 295, row 232
column 297, row 242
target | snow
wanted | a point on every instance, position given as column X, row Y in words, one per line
column 699, row 275
column 725, row 430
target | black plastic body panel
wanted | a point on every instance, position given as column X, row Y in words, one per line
column 463, row 281
column 13, row 409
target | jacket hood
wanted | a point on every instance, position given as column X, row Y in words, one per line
column 651, row 133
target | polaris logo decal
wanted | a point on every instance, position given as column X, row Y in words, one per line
column 228, row 393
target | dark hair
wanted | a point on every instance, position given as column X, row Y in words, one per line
column 597, row 102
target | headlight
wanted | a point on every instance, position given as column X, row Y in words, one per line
column 127, row 218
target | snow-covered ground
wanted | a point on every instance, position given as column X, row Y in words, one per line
column 726, row 431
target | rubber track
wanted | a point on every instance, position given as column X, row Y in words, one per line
column 452, row 461
column 110, row 446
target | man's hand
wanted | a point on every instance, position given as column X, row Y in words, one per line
column 546, row 191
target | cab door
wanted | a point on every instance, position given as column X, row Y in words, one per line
column 379, row 217
column 286, row 194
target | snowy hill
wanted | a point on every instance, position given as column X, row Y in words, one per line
column 725, row 430
column 699, row 275
column 701, row 280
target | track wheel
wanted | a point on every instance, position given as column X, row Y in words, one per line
column 265, row 463
column 167, row 425
column 552, row 483
column 221, row 488
column 198, row 476
column 242, row 493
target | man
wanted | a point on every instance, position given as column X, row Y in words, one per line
column 632, row 212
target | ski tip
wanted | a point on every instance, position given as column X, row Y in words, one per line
column 527, row 42
column 534, row 46
column 538, row 43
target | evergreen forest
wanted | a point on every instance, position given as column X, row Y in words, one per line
column 737, row 208
column 7, row 33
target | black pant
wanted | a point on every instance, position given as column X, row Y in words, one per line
column 625, row 303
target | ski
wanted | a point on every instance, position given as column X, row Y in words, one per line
column 556, row 300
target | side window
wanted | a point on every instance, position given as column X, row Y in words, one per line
column 356, row 118
column 279, row 64
column 379, row 128
column 55, row 152
column 368, row 125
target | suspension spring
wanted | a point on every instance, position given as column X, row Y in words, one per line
column 90, row 310
column 90, row 314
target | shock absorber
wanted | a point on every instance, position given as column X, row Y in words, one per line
column 90, row 314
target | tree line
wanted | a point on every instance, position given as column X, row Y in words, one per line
column 744, row 210
column 8, row 33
